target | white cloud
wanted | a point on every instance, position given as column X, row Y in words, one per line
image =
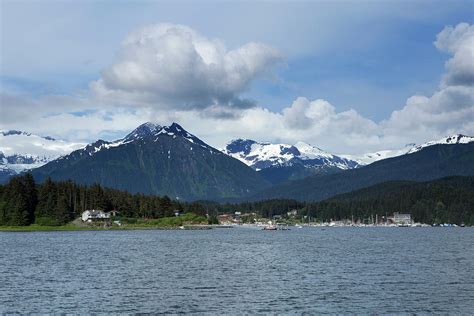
column 458, row 41
column 171, row 73
column 174, row 67
column 451, row 108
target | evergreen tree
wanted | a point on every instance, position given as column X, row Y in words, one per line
column 19, row 201
column 166, row 206
column 62, row 209
column 47, row 200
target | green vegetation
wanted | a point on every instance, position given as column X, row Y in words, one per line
column 126, row 224
column 25, row 205
column 158, row 165
column 448, row 200
column 175, row 221
column 36, row 227
column 433, row 162
column 55, row 204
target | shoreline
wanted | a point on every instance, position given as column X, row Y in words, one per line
column 37, row 228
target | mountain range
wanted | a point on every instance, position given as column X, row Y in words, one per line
column 155, row 159
column 21, row 151
column 426, row 163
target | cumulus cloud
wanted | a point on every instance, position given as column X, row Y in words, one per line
column 451, row 108
column 458, row 41
column 175, row 74
column 173, row 66
column 448, row 110
column 320, row 115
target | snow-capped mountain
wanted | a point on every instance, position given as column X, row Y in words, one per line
column 449, row 140
column 21, row 150
column 148, row 131
column 410, row 149
column 260, row 155
column 154, row 159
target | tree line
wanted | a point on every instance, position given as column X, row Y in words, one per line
column 23, row 202
column 447, row 200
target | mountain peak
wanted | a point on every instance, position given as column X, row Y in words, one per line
column 14, row 132
column 309, row 149
column 448, row 140
column 458, row 139
column 176, row 126
column 151, row 129
column 142, row 131
column 149, row 132
column 239, row 145
column 176, row 129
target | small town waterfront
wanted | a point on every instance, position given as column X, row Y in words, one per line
column 232, row 271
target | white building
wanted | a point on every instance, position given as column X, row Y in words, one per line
column 402, row 219
column 93, row 215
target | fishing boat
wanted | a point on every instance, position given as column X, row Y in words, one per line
column 270, row 227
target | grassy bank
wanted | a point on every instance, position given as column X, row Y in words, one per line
column 35, row 227
column 174, row 222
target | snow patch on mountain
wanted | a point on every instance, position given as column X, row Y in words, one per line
column 369, row 158
column 449, row 140
column 410, row 149
column 149, row 129
column 145, row 132
column 261, row 155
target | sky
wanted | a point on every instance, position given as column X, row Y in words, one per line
column 347, row 76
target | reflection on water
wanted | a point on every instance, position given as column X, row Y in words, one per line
column 384, row 270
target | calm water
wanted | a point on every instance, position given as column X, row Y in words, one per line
column 232, row 271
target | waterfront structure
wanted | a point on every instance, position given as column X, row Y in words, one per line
column 401, row 219
column 95, row 215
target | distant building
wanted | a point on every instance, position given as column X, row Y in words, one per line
column 225, row 219
column 401, row 219
column 292, row 213
column 237, row 217
column 95, row 215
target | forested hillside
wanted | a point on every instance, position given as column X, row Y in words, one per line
column 448, row 200
column 22, row 202
column 158, row 160
column 430, row 163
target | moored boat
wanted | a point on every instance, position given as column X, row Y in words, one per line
column 270, row 227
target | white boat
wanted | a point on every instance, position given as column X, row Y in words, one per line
column 269, row 227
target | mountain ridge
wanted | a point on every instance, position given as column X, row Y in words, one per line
column 280, row 162
column 430, row 162
column 154, row 159
column 21, row 150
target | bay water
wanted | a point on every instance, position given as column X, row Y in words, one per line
column 239, row 271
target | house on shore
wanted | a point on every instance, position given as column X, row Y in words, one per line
column 95, row 215
column 401, row 219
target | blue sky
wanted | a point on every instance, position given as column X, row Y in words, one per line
column 369, row 56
